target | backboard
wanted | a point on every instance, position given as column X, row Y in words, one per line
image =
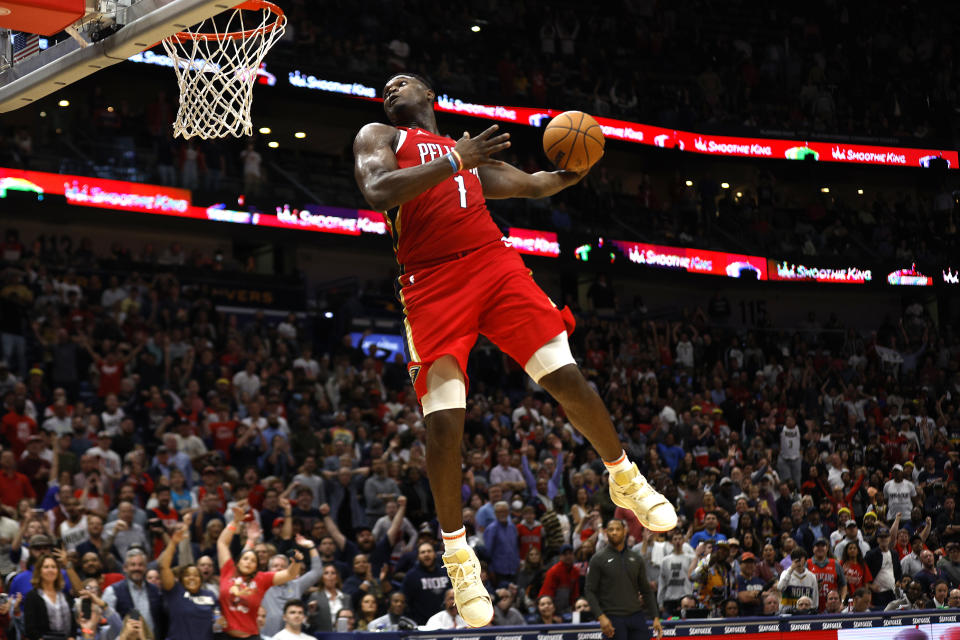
column 109, row 32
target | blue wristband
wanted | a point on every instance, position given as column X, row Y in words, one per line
column 453, row 162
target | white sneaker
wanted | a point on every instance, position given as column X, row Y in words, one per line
column 630, row 490
column 473, row 601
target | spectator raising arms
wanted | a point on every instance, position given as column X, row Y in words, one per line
column 242, row 584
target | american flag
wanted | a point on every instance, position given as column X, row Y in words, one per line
column 24, row 46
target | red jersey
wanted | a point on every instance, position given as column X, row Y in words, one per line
column 240, row 599
column 110, row 377
column 827, row 579
column 223, row 435
column 444, row 220
column 531, row 536
column 857, row 575
column 17, row 429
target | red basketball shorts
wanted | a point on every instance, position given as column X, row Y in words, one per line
column 488, row 291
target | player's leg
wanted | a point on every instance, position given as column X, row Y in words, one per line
column 444, row 410
column 520, row 319
column 552, row 368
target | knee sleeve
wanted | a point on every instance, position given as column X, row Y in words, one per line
column 445, row 386
column 549, row 357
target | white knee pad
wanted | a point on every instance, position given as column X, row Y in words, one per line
column 445, row 386
column 550, row 357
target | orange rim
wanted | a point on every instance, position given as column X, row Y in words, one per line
column 249, row 5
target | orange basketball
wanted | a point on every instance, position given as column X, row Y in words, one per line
column 573, row 141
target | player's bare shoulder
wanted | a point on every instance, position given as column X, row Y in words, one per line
column 373, row 137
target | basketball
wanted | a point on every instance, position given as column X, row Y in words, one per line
column 573, row 141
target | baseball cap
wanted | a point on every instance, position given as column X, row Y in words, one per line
column 870, row 514
column 883, row 532
column 748, row 557
column 696, row 407
column 908, row 463
column 898, row 467
column 820, row 541
column 850, row 523
column 566, row 548
column 209, row 469
column 104, row 434
column 733, row 542
column 843, row 510
column 40, row 540
column 426, row 528
column 162, row 449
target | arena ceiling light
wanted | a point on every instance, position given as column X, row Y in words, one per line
column 273, row 144
column 265, row 130
column 859, row 192
column 724, row 185
column 689, row 183
column 475, row 28
column 64, row 103
column 300, row 135
column 824, row 189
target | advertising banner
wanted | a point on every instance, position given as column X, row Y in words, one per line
column 788, row 271
column 716, row 263
column 533, row 242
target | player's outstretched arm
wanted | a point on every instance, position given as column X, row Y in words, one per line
column 503, row 180
column 385, row 185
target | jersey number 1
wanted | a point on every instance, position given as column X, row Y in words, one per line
column 463, row 191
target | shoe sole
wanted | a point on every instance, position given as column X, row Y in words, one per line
column 646, row 524
column 480, row 626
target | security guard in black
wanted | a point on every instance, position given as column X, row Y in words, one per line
column 616, row 577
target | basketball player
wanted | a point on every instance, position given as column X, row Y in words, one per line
column 459, row 279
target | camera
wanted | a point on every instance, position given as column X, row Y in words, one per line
column 4, row 599
column 134, row 614
column 86, row 608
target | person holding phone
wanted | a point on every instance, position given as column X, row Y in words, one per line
column 97, row 619
column 191, row 607
column 242, row 585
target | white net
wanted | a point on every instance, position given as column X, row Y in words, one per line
column 217, row 63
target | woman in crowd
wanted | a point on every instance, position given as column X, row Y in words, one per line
column 367, row 611
column 855, row 570
column 546, row 612
column 47, row 610
column 242, row 586
column 325, row 604
column 581, row 508
column 530, row 577
column 190, row 606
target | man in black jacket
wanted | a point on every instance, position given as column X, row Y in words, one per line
column 425, row 584
column 884, row 565
column 616, row 575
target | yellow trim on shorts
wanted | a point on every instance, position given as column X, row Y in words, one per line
column 414, row 355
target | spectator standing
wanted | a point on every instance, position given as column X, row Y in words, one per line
column 425, row 584
column 796, row 582
column 47, row 607
column 899, row 493
column 884, row 564
column 275, row 599
column 190, row 606
column 377, row 489
column 134, row 592
column 828, row 572
column 789, row 460
column 674, row 581
column 562, row 580
column 750, row 588
column 501, row 540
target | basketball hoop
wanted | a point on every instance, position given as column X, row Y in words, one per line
column 217, row 66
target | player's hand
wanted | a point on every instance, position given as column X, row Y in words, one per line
column 477, row 151
column 606, row 626
column 657, row 628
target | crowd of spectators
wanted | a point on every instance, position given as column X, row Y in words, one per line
column 750, row 68
column 813, row 468
column 823, row 67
